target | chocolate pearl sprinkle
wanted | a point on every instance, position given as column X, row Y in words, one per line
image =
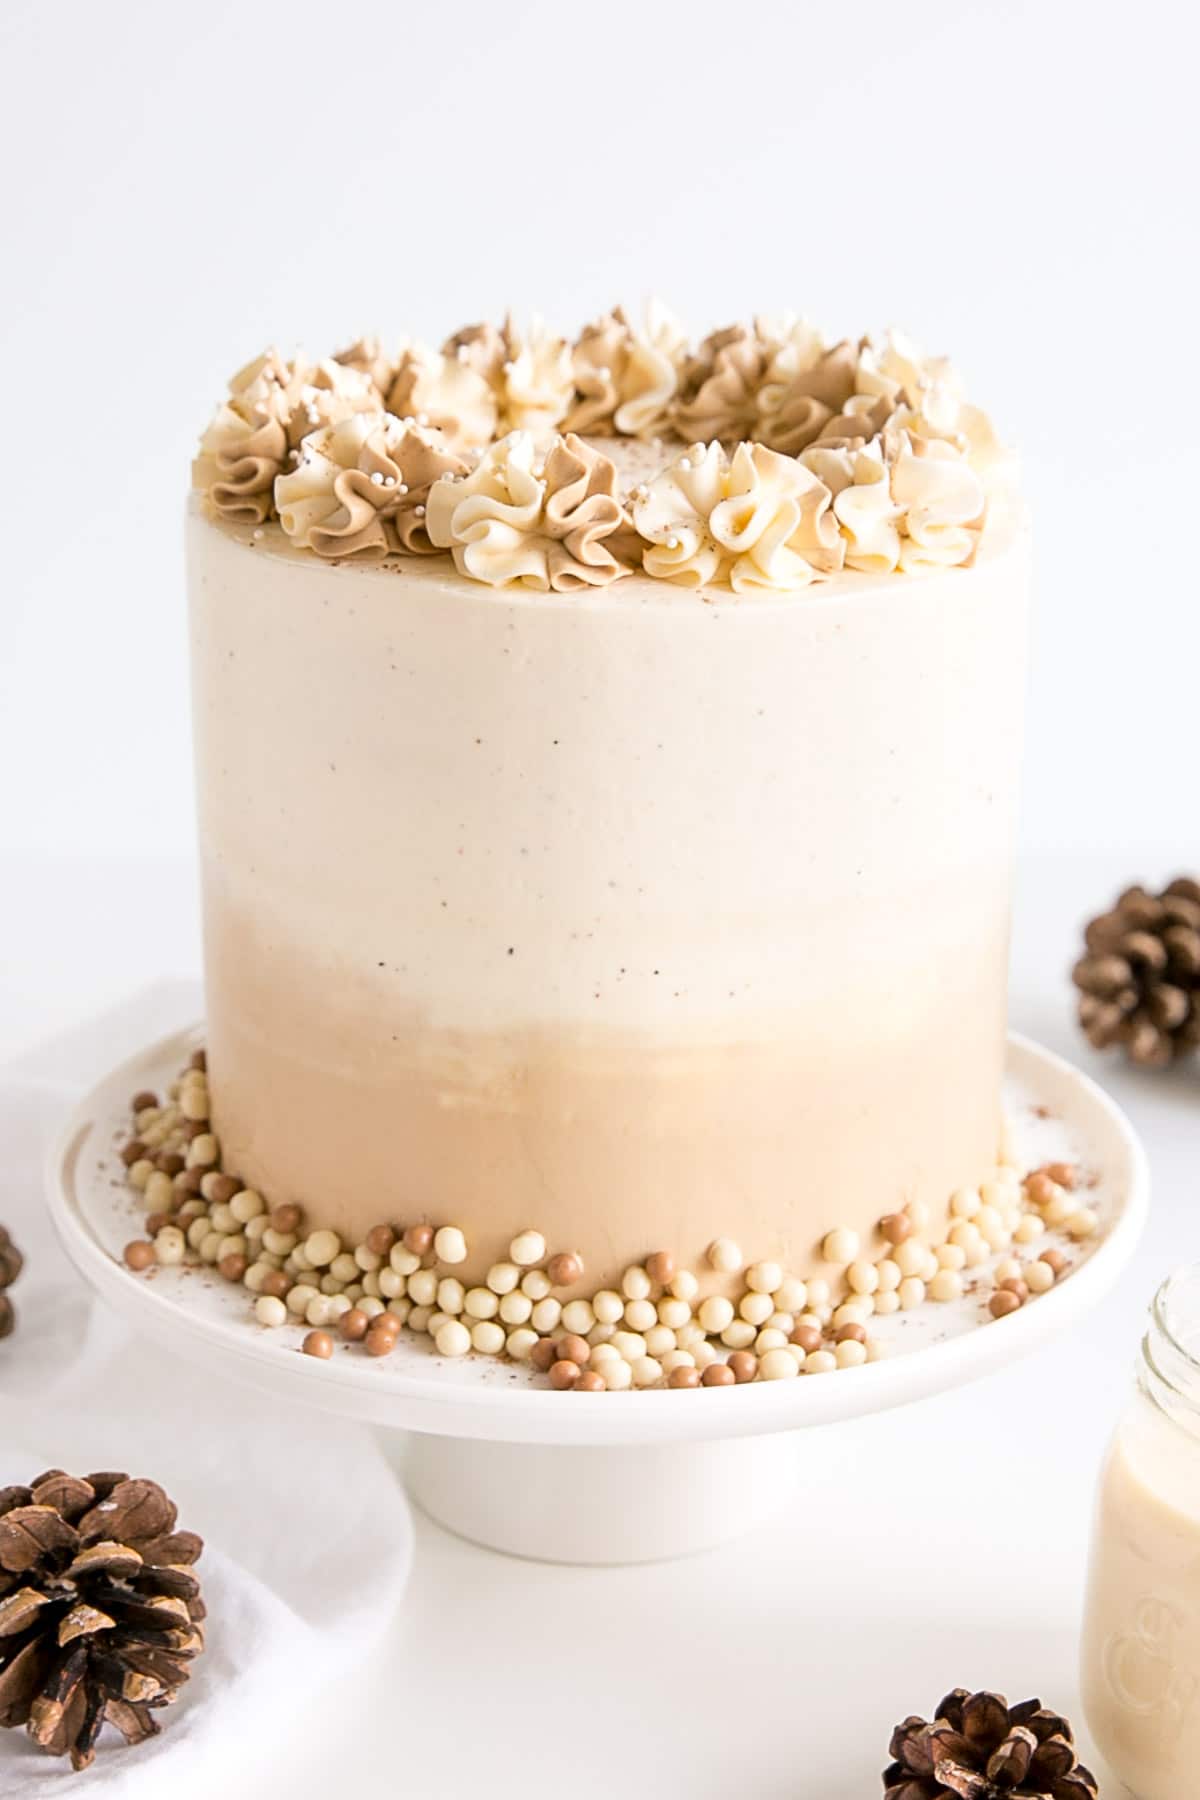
column 155, row 1222
column 286, row 1219
column 564, row 1374
column 660, row 1267
column 133, row 1152
column 222, row 1188
column 744, row 1365
column 318, row 1343
column 573, row 1349
column 198, row 1060
column 565, row 1269
column 169, row 1162
column 590, row 1383
column 896, row 1227
column 684, row 1377
column 1014, row 1285
column 232, row 1267
column 189, row 1182
column 354, row 1325
column 718, row 1374
column 850, row 1333
column 806, row 1338
column 542, row 1355
column 379, row 1343
column 141, row 1101
column 418, row 1239
column 380, row 1240
column 1056, row 1261
column 276, row 1285
column 139, row 1255
column 1003, row 1302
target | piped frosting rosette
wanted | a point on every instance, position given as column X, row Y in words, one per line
column 809, row 458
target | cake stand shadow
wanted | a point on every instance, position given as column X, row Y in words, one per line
column 500, row 1459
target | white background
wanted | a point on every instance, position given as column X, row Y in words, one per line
column 1013, row 183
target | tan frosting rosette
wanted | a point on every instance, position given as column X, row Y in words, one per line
column 756, row 520
column 554, row 524
column 371, row 357
column 718, row 387
column 443, row 390
column 360, row 489
column 626, row 380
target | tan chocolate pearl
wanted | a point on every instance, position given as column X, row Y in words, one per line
column 718, row 1374
column 564, row 1374
column 133, row 1152
column 190, row 1181
column 1066, row 1174
column 590, row 1383
column 1002, row 1302
column 1041, row 1188
column 573, row 1348
column 155, row 1222
column 564, row 1269
column 848, row 1334
column 1055, row 1260
column 354, row 1325
column 276, row 1284
column 419, row 1239
column 380, row 1239
column 318, row 1343
column 685, row 1377
column 198, row 1060
column 286, row 1219
column 806, row 1338
column 193, row 1128
column 387, row 1321
column 379, row 1343
column 896, row 1227
column 1014, row 1285
column 222, row 1188
column 542, row 1355
column 660, row 1267
column 140, row 1255
column 232, row 1267
column 744, row 1365
column 142, row 1100
column 170, row 1163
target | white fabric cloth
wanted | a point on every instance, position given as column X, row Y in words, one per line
column 308, row 1536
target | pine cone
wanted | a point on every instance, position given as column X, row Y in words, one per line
column 980, row 1748
column 99, row 1612
column 1140, row 979
column 11, row 1264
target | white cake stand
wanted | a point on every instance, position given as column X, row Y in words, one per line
column 498, row 1457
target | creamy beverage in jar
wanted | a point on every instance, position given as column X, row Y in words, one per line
column 1141, row 1638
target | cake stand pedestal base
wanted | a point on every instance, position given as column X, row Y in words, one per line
column 602, row 1504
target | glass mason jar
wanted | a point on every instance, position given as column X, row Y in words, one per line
column 1141, row 1633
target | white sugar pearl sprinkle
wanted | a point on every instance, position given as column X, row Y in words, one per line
column 520, row 1342
column 608, row 1306
column 487, row 1337
column 170, row 1246
column 778, row 1365
column 450, row 1246
column 515, row 1308
column 683, row 1286
column 503, row 1277
column 527, row 1248
column 546, row 1315
column 674, row 1312
column 577, row 1316
column 850, row 1354
column 756, row 1308
column 764, row 1277
column 269, row 1311
column 862, row 1277
column 724, row 1256
column 640, row 1315
column 946, row 1285
column 912, row 1292
column 452, row 1338
column 481, row 1303
column 1038, row 1277
column 820, row 1362
column 450, row 1296
column 536, row 1283
column 636, row 1284
column 321, row 1248
column 840, row 1246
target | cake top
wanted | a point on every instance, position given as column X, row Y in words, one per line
column 762, row 459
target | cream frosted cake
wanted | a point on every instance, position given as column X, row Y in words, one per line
column 607, row 754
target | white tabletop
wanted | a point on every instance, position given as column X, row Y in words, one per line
column 937, row 1546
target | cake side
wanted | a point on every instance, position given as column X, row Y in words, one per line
column 641, row 915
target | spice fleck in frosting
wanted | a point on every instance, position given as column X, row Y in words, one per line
column 794, row 459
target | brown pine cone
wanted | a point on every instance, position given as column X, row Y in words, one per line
column 980, row 1748
column 1139, row 982
column 99, row 1611
column 11, row 1264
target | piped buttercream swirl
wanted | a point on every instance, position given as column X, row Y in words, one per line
column 360, row 489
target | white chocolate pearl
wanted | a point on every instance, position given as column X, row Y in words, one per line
column 930, row 1266
column 355, row 1292
column 437, row 1320
column 739, row 1335
column 399, row 1309
column 405, row 1261
column 317, row 1311
column 702, row 1354
column 608, row 1306
column 677, row 1359
column 888, row 1302
column 1029, row 1228
column 636, row 1284
column 254, row 1277
column 452, row 1338
column 909, row 1257
column 344, row 1267
column 640, row 1315
column 254, row 1227
column 965, row 1203
column 862, row 1277
column 279, row 1243
column 536, row 1283
column 791, row 1295
column 527, row 1248
column 299, row 1262
column 1007, row 1269
column 820, row 1362
column 390, row 1284
column 918, row 1212
column 818, row 1292
column 715, row 1313
column 724, row 1256
column 674, row 1312
column 503, row 1277
column 487, row 1337
column 160, row 1191
column 854, row 1312
column 140, row 1172
column 769, row 1339
column 370, row 1285
column 210, row 1248
column 170, row 1246
column 889, row 1273
column 850, row 1354
column 683, row 1286
column 197, row 1231
column 629, row 1344
column 546, row 1315
column 422, row 1287
column 756, row 1308
column 601, row 1334
column 659, row 1339
column 764, row 1277
column 233, row 1245
column 321, row 1247
column 203, row 1151
column 951, row 1256
column 515, row 1308
column 1083, row 1223
column 247, row 1205
column 481, row 1303
column 450, row 1296
column 617, row 1375
column 577, row 1316
column 450, row 1246
column 419, row 1317
column 270, row 1311
column 781, row 1321
column 777, row 1365
column 977, row 1253
column 520, row 1342
column 299, row 1297
column 222, row 1218
column 1038, row 1277
column 371, row 1306
column 946, row 1285
column 690, row 1336
column 1062, row 1208
column 840, row 1246
column 604, row 1353
column 911, row 1292
column 647, row 1370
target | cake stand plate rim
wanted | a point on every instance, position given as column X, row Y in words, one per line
column 378, row 1394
